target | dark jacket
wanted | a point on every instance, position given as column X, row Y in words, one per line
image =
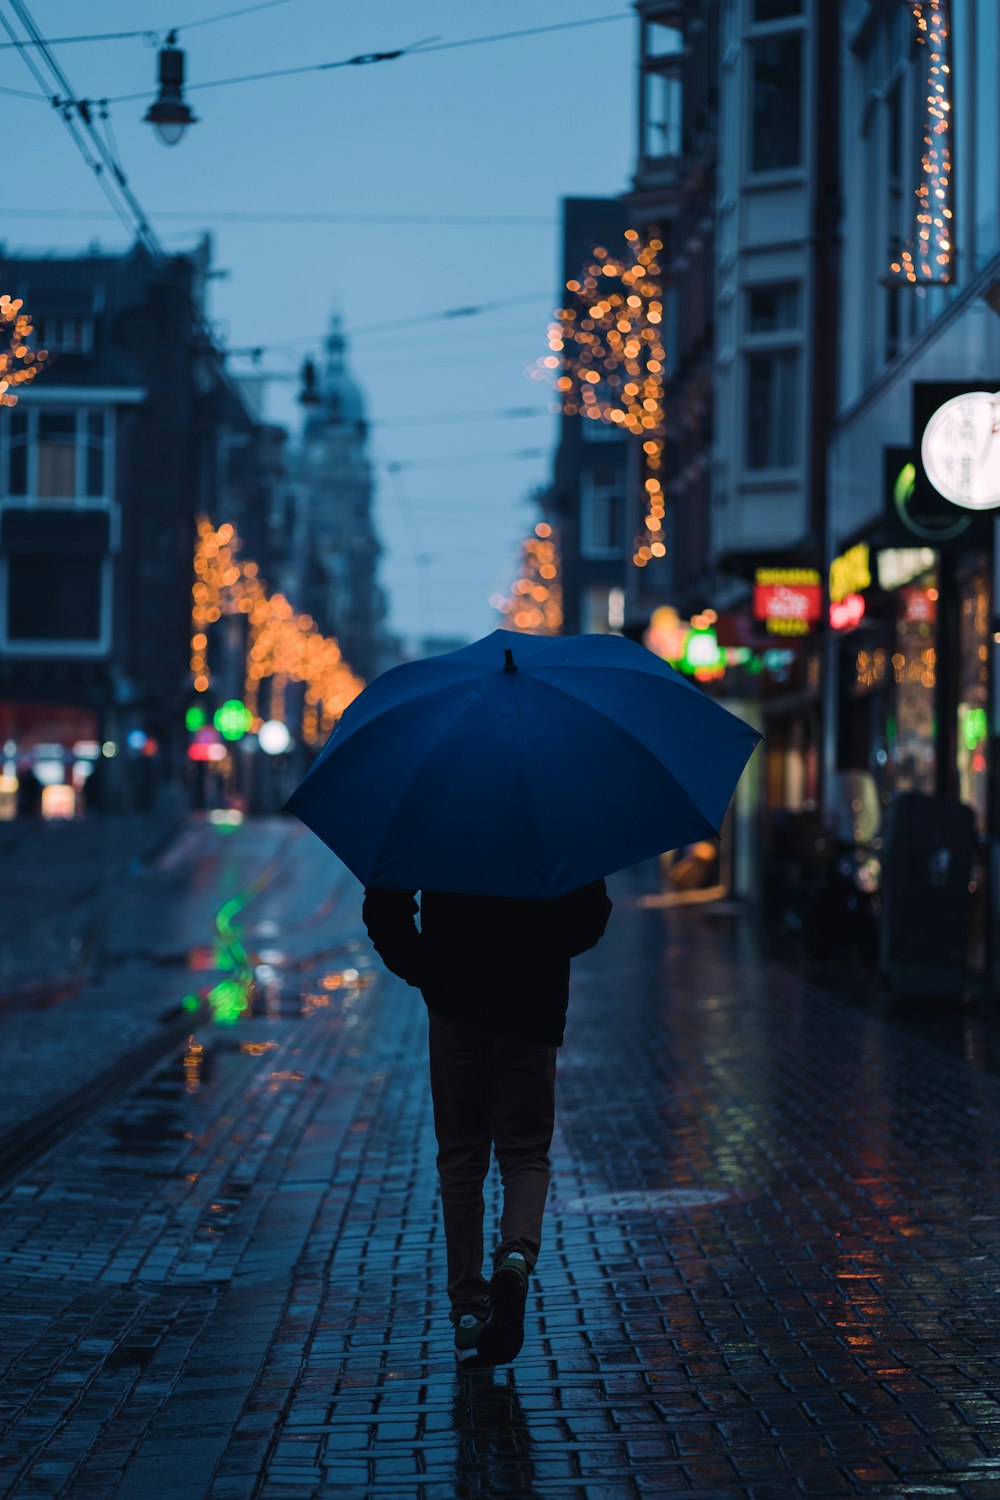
column 491, row 962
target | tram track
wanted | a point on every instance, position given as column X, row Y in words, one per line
column 51, row 1125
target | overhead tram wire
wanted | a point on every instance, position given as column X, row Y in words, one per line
column 107, row 169
column 504, row 413
column 152, row 33
column 65, row 102
column 395, row 466
column 253, row 351
column 290, row 216
column 70, row 123
column 414, row 49
column 228, row 15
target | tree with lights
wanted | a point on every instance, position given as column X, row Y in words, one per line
column 607, row 347
column 19, row 364
column 281, row 645
column 534, row 604
column 928, row 256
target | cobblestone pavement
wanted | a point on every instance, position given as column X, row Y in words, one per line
column 770, row 1267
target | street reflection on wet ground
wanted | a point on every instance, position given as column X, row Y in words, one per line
column 770, row 1267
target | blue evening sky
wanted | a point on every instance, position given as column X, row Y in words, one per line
column 500, row 130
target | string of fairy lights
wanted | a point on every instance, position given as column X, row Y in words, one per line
column 927, row 257
column 535, row 602
column 281, row 644
column 19, row 363
column 606, row 345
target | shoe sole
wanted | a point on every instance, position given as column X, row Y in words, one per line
column 503, row 1333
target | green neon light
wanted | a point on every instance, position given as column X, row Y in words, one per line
column 975, row 727
column 232, row 719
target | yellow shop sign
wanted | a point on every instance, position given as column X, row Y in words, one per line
column 850, row 573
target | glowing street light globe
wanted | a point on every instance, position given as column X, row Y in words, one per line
column 232, row 719
column 273, row 737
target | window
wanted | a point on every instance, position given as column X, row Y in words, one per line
column 55, row 472
column 776, row 10
column 17, row 454
column 94, row 458
column 895, row 214
column 987, row 137
column 663, row 41
column 772, row 409
column 61, row 335
column 773, row 309
column 56, row 455
column 53, row 598
column 772, row 323
column 603, row 514
column 55, row 578
column 662, row 114
column 776, row 134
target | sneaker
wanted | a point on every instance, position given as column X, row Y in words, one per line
column 503, row 1331
column 467, row 1331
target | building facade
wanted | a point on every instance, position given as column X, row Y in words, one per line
column 330, row 513
column 105, row 462
column 589, row 499
column 910, row 670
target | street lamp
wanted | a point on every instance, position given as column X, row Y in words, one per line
column 170, row 113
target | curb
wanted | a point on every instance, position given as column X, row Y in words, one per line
column 21, row 1147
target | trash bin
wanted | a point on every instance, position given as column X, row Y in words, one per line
column 925, row 895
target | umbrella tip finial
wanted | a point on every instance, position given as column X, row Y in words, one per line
column 509, row 664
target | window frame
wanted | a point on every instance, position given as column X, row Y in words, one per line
column 82, row 412
column 762, row 32
column 591, row 549
column 99, row 646
column 770, row 342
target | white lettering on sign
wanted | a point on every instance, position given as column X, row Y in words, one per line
column 900, row 565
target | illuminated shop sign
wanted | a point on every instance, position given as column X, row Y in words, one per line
column 848, row 612
column 920, row 606
column 691, row 648
column 850, row 573
column 900, row 565
column 788, row 600
column 667, row 634
column 960, row 450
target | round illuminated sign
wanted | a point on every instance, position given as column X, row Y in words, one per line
column 273, row 737
column 961, row 450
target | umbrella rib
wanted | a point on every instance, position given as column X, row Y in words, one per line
column 644, row 748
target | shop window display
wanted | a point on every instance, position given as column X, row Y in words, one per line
column 914, row 670
column 973, row 706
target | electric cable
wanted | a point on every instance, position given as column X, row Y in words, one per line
column 505, row 413
column 446, row 315
column 65, row 102
column 447, row 459
column 68, row 120
column 415, row 49
column 150, row 33
column 290, row 216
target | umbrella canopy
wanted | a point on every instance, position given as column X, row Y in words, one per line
column 522, row 766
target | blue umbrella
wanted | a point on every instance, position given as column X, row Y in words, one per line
column 522, row 766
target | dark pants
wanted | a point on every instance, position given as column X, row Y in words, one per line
column 487, row 1089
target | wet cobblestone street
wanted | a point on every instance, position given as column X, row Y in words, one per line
column 771, row 1264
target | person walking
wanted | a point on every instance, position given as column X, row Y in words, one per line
column 494, row 975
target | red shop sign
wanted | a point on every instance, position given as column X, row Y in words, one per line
column 788, row 608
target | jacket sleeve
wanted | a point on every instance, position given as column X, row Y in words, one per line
column 388, row 916
column 584, row 916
